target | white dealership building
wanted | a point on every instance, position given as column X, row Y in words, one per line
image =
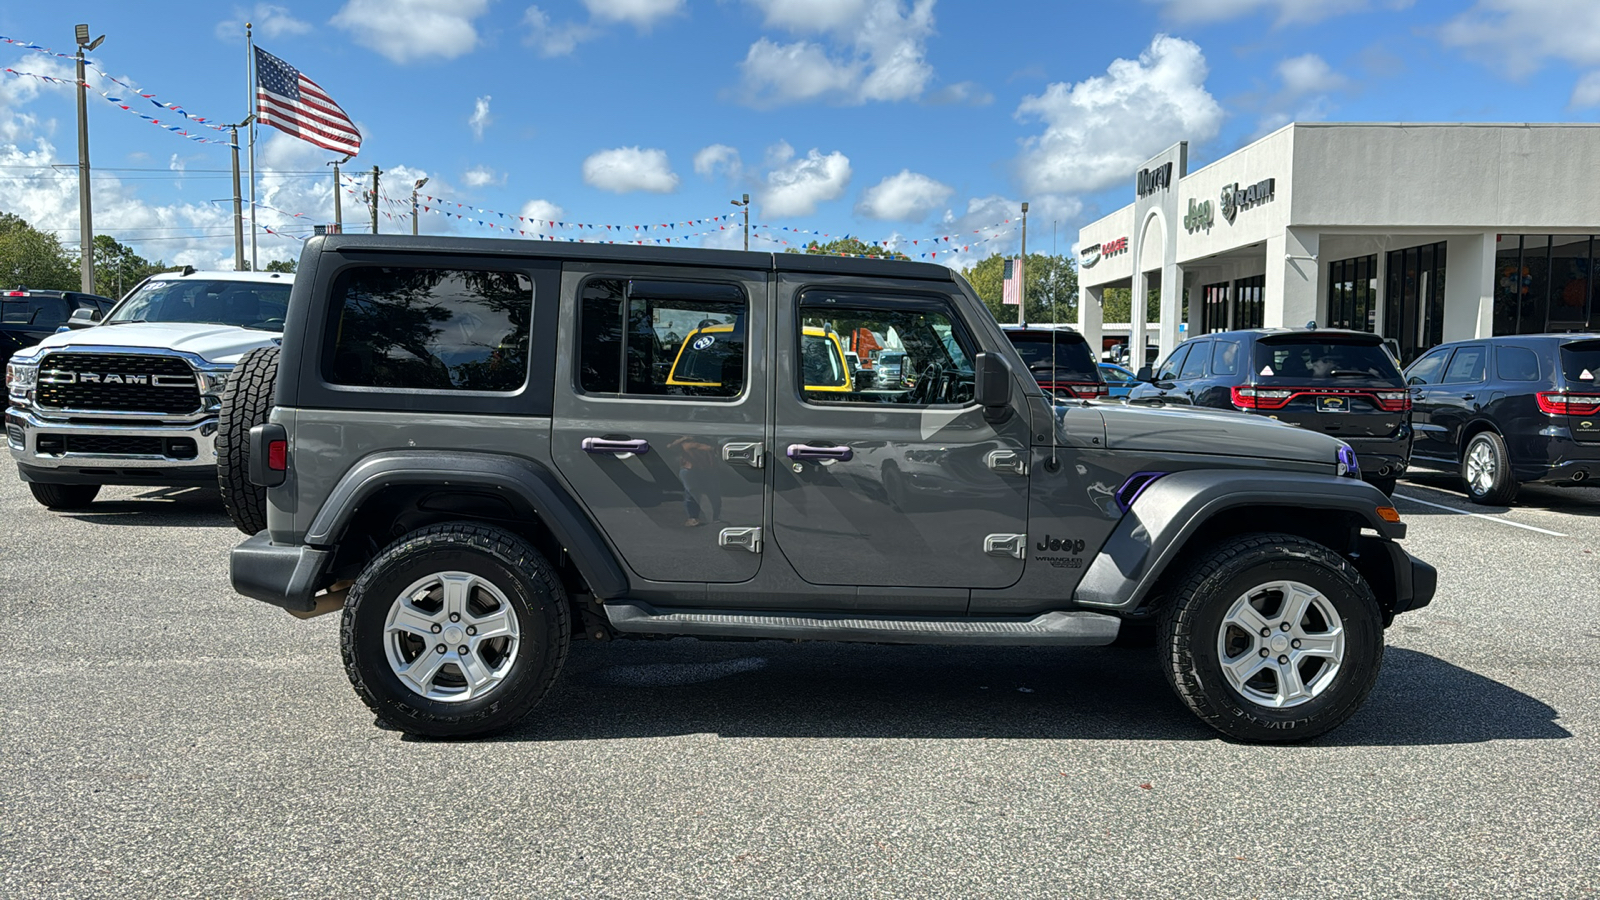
column 1422, row 233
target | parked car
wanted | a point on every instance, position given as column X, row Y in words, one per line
column 1119, row 381
column 28, row 316
column 1504, row 411
column 475, row 488
column 1341, row 383
column 136, row 399
column 1060, row 360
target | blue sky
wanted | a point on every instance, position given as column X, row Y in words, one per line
column 884, row 119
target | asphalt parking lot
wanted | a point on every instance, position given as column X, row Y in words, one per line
column 165, row 737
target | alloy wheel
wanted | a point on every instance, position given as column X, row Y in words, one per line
column 1481, row 467
column 1281, row 644
column 451, row 637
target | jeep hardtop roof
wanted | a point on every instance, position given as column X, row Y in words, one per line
column 630, row 253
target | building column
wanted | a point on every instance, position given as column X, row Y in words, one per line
column 1091, row 316
column 1138, row 305
column 1292, row 285
column 1171, row 308
column 1469, row 286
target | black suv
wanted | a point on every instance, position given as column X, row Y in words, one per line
column 1341, row 383
column 1059, row 360
column 29, row 316
column 1508, row 410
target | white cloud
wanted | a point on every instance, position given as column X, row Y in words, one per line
column 965, row 93
column 718, row 157
column 268, row 20
column 906, row 197
column 628, row 169
column 1586, row 92
column 796, row 186
column 987, row 216
column 1520, row 37
column 543, row 210
column 878, row 52
column 1098, row 130
column 482, row 176
column 1309, row 74
column 642, row 14
column 480, row 118
column 410, row 30
column 1286, row 12
column 551, row 38
column 1307, row 83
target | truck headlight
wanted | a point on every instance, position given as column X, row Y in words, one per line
column 21, row 377
column 214, row 382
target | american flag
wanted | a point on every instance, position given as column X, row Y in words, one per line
column 1012, row 294
column 290, row 102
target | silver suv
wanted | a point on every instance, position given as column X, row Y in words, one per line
column 479, row 451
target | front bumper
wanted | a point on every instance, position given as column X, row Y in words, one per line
column 164, row 445
column 285, row 575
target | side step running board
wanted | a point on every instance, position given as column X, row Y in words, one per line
column 1053, row 629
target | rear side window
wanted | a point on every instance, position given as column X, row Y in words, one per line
column 43, row 311
column 1466, row 366
column 1225, row 358
column 662, row 338
column 1323, row 362
column 1071, row 360
column 1580, row 362
column 1195, row 365
column 1516, row 364
column 431, row 329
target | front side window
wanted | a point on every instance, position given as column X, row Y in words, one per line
column 922, row 359
column 1194, row 366
column 1174, row 364
column 431, row 329
column 1467, row 366
column 244, row 304
column 1427, row 369
column 661, row 338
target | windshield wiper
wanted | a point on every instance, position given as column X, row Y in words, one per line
column 127, row 321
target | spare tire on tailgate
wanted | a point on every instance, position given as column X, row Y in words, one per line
column 245, row 404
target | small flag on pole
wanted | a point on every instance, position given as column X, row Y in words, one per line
column 292, row 103
column 1012, row 294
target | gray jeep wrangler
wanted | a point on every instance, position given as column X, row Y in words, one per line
column 480, row 450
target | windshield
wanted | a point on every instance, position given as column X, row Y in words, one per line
column 247, row 304
column 1324, row 361
column 1580, row 361
column 1072, row 360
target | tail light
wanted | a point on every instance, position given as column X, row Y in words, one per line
column 1261, row 398
column 1557, row 403
column 278, row 456
column 1393, row 401
column 1081, row 390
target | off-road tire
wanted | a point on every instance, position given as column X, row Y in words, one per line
column 516, row 569
column 1503, row 488
column 1203, row 596
column 64, row 496
column 245, row 404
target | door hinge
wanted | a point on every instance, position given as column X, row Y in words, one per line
column 740, row 539
column 1006, row 461
column 750, row 453
column 1012, row 545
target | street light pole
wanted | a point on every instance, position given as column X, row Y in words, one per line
column 374, row 199
column 745, row 204
column 238, row 196
column 1022, row 286
column 414, row 188
column 85, row 206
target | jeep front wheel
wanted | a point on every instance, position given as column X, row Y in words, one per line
column 455, row 630
column 1273, row 638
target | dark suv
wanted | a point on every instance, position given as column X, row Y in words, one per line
column 29, row 316
column 1507, row 410
column 480, row 450
column 1341, row 383
column 1059, row 360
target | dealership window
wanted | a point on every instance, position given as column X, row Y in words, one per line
column 1544, row 282
column 1214, row 311
column 1250, row 307
column 1353, row 293
column 1413, row 319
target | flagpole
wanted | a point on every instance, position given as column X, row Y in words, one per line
column 250, row 93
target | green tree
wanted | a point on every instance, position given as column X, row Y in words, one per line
column 33, row 258
column 117, row 268
column 850, row 247
column 1050, row 288
column 1119, row 305
column 286, row 266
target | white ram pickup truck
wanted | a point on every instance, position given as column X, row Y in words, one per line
column 133, row 399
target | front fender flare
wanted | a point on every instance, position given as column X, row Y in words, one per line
column 1175, row 507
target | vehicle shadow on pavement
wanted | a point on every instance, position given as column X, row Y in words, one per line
column 777, row 689
column 1446, row 488
column 171, row 507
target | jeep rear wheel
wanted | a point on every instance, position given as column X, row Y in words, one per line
column 64, row 496
column 245, row 404
column 455, row 630
column 1273, row 638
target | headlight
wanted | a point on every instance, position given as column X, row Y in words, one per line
column 214, row 382
column 21, row 376
column 1348, row 467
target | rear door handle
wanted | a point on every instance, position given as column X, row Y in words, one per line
column 1468, row 396
column 831, row 454
column 622, row 448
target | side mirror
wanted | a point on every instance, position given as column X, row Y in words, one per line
column 83, row 317
column 1146, row 375
column 991, row 386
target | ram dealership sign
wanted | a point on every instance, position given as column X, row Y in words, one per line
column 1235, row 198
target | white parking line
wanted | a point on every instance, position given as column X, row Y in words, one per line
column 1462, row 512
